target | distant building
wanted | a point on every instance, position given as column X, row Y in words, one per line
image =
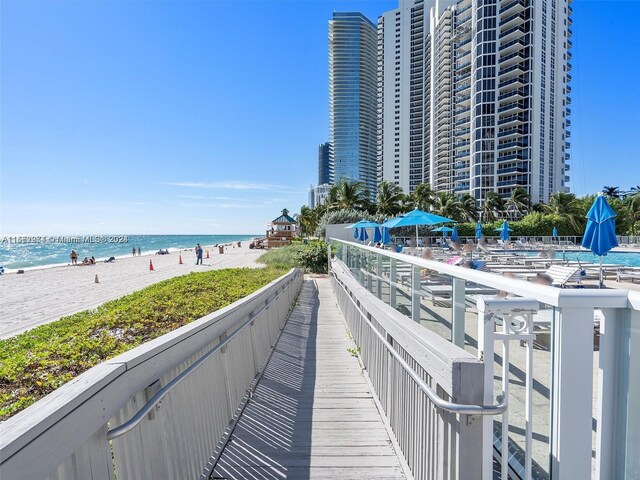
column 352, row 98
column 321, row 192
column 311, row 199
column 324, row 163
column 473, row 96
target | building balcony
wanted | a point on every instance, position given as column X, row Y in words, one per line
column 464, row 43
column 513, row 182
column 463, row 132
column 465, row 99
column 514, row 107
column 512, row 144
column 511, row 71
column 511, row 132
column 512, row 46
column 461, row 187
column 462, row 87
column 461, row 111
column 460, row 165
column 462, row 66
column 513, row 169
column 462, row 154
column 511, row 59
column 513, row 95
column 464, row 143
column 461, row 176
column 513, row 7
column 511, row 119
column 511, row 156
column 512, row 34
column 512, row 82
column 512, row 21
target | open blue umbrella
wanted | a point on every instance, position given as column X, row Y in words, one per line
column 454, row 234
column 600, row 234
column 416, row 217
column 504, row 231
column 363, row 224
column 478, row 231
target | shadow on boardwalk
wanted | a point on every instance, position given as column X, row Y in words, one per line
column 312, row 415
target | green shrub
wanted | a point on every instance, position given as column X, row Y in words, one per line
column 284, row 257
column 37, row 362
column 314, row 258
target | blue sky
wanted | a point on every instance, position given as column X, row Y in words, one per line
column 205, row 116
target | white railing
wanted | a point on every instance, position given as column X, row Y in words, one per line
column 551, row 373
column 414, row 374
column 189, row 382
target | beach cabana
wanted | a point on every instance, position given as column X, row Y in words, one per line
column 282, row 231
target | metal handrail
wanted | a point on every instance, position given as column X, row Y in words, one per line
column 153, row 401
column 428, row 391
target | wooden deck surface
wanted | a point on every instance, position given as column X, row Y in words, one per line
column 313, row 415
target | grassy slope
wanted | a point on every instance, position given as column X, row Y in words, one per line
column 37, row 362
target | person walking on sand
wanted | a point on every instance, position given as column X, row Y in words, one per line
column 139, row 251
column 74, row 257
column 133, row 251
column 198, row 254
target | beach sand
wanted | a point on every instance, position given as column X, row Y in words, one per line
column 45, row 295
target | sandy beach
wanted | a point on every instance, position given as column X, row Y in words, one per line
column 45, row 295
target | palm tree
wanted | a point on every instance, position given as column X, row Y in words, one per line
column 611, row 192
column 446, row 205
column 518, row 203
column 348, row 194
column 492, row 207
column 389, row 199
column 422, row 197
column 634, row 211
column 468, row 208
column 307, row 220
column 566, row 206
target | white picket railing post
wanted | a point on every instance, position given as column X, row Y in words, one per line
column 459, row 308
column 393, row 278
column 415, row 293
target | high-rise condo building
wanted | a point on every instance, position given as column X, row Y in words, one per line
column 473, row 96
column 324, row 163
column 352, row 98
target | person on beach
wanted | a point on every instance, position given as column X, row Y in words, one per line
column 74, row 257
column 133, row 251
column 139, row 251
column 92, row 260
column 198, row 254
column 86, row 261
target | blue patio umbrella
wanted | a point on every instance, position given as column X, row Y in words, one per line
column 416, row 217
column 377, row 235
column 355, row 233
column 600, row 234
column 386, row 238
column 554, row 233
column 363, row 234
column 454, row 234
column 504, row 231
column 444, row 230
column 363, row 224
column 478, row 231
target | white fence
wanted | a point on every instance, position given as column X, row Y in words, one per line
column 64, row 435
column 576, row 385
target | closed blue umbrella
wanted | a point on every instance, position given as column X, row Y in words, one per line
column 600, row 234
column 363, row 234
column 478, row 231
column 386, row 238
column 377, row 235
column 555, row 232
column 356, row 233
column 454, row 234
column 504, row 231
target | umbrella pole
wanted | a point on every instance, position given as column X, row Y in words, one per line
column 601, row 271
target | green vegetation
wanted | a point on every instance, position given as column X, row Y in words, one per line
column 349, row 202
column 311, row 256
column 37, row 362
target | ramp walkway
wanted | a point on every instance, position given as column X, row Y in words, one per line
column 313, row 413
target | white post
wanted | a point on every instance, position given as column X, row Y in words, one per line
column 393, row 278
column 459, row 307
column 572, row 390
column 415, row 293
column 378, row 275
column 486, row 354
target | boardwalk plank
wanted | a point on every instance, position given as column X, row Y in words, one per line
column 312, row 415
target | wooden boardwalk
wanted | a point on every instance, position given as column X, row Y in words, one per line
column 313, row 415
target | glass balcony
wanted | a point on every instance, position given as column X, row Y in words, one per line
column 512, row 34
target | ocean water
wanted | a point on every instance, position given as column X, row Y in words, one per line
column 39, row 251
